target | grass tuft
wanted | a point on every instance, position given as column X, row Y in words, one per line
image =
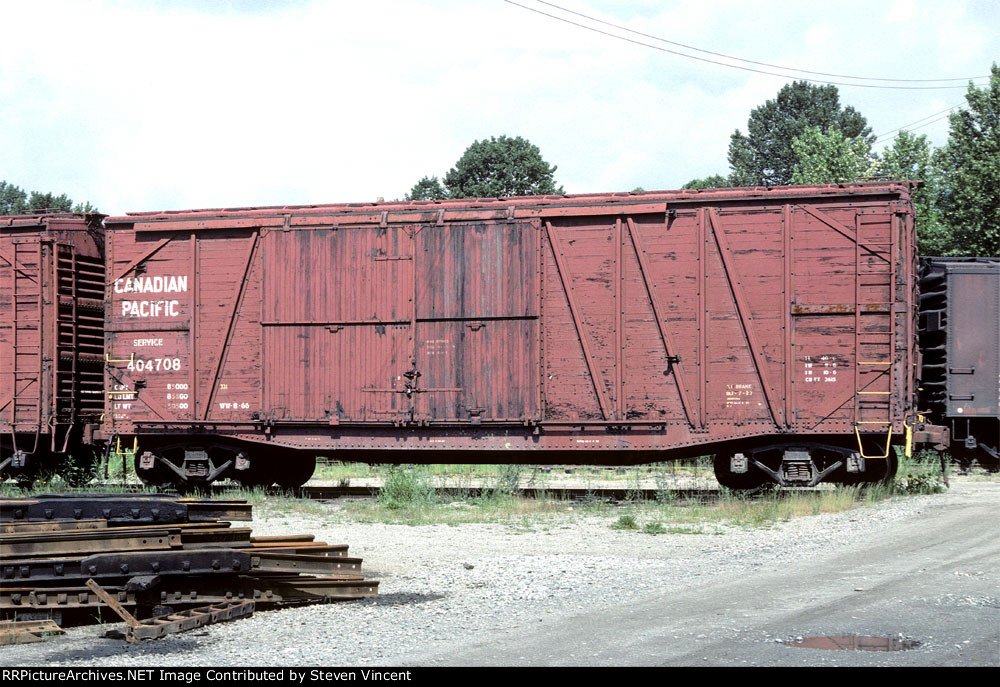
column 625, row 522
column 406, row 487
column 919, row 474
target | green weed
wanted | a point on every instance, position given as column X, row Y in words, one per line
column 919, row 474
column 625, row 522
column 406, row 487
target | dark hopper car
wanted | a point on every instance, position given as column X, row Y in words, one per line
column 960, row 340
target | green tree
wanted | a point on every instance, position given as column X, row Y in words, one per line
column 13, row 200
column 501, row 167
column 829, row 158
column 713, row 181
column 428, row 188
column 911, row 157
column 970, row 166
column 49, row 201
column 764, row 156
column 85, row 207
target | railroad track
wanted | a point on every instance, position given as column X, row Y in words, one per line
column 562, row 493
column 332, row 492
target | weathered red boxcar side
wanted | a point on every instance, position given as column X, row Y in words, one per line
column 772, row 326
column 51, row 337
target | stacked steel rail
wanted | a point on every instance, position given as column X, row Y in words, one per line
column 157, row 554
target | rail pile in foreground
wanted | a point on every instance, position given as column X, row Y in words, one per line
column 155, row 555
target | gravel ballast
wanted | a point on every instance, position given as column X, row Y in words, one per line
column 456, row 586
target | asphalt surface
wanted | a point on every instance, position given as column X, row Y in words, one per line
column 934, row 578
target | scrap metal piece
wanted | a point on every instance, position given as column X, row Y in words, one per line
column 236, row 537
column 272, row 590
column 127, row 565
column 123, row 509
column 21, row 599
column 266, row 561
column 160, row 626
column 142, row 583
column 27, row 631
column 337, row 550
column 82, row 542
column 112, row 603
column 51, row 526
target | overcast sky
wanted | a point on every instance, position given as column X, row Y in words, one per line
column 184, row 104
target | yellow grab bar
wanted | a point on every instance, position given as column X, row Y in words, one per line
column 888, row 439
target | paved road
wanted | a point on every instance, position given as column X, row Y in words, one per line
column 934, row 578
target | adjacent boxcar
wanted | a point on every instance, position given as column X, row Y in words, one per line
column 960, row 373
column 773, row 327
column 51, row 338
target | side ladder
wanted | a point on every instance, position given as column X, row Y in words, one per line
column 874, row 338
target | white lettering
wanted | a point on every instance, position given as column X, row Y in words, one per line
column 151, row 309
column 161, row 284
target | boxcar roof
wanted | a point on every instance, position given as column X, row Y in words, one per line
column 518, row 207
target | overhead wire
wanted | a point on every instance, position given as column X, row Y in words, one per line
column 722, row 64
column 914, row 128
column 910, row 126
column 741, row 59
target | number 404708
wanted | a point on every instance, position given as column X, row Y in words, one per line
column 154, row 364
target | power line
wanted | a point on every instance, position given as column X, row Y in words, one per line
column 723, row 64
column 914, row 128
column 740, row 59
column 907, row 126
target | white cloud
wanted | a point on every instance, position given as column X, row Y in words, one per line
column 160, row 105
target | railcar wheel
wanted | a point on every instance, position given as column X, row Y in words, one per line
column 293, row 469
column 39, row 470
column 988, row 462
column 156, row 476
column 258, row 475
column 985, row 460
column 963, row 457
column 966, row 456
column 747, row 482
column 880, row 471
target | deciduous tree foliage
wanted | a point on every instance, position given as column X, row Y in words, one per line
column 14, row 201
column 911, row 157
column 764, row 156
column 970, row 165
column 713, row 181
column 501, row 167
column 829, row 158
column 428, row 188
column 49, row 201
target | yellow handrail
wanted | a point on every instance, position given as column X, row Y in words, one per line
column 888, row 439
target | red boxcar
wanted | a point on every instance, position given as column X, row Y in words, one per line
column 51, row 338
column 774, row 327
